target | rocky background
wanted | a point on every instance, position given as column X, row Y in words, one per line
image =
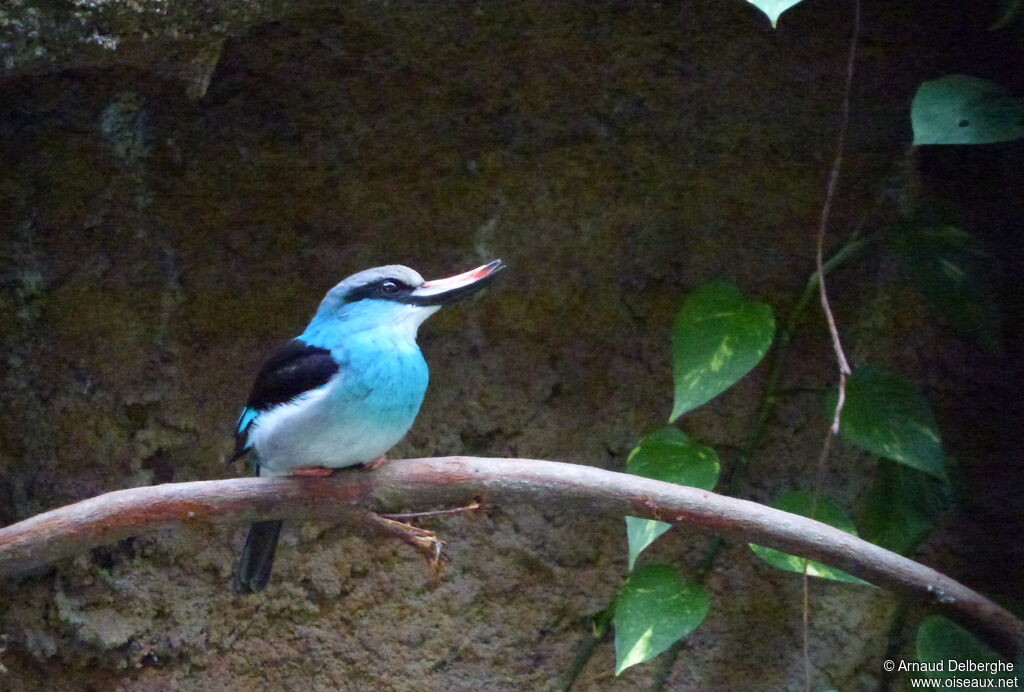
column 180, row 183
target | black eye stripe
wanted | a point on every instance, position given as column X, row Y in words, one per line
column 386, row 288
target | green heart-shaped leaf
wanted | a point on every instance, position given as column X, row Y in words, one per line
column 902, row 506
column 773, row 8
column 640, row 533
column 888, row 415
column 655, row 609
column 719, row 335
column 952, row 269
column 800, row 502
column 958, row 109
column 940, row 640
column 667, row 454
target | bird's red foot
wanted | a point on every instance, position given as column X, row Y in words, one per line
column 312, row 471
column 375, row 463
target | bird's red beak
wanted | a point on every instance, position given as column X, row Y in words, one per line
column 444, row 291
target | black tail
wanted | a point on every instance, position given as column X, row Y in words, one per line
column 257, row 558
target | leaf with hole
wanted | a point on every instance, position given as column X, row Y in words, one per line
column 718, row 337
column 952, row 270
column 773, row 8
column 902, row 506
column 667, row 454
column 888, row 415
column 654, row 609
column 959, row 109
column 825, row 511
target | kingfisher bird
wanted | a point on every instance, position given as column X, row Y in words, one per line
column 344, row 391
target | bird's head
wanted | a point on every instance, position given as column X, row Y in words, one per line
column 394, row 297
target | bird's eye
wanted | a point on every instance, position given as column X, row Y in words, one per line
column 389, row 287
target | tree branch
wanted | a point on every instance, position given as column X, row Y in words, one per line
column 449, row 481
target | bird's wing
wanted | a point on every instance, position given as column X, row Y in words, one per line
column 294, row 370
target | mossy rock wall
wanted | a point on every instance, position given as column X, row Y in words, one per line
column 174, row 203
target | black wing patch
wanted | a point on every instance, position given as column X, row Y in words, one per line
column 294, row 370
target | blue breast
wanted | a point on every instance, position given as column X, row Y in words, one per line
column 383, row 381
column 382, row 375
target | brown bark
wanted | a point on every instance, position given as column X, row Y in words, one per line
column 448, row 481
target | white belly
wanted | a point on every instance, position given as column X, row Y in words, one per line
column 322, row 428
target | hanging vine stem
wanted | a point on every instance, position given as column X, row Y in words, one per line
column 767, row 402
column 601, row 625
column 826, row 308
column 769, row 397
column 770, row 394
column 765, row 409
column 826, row 210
